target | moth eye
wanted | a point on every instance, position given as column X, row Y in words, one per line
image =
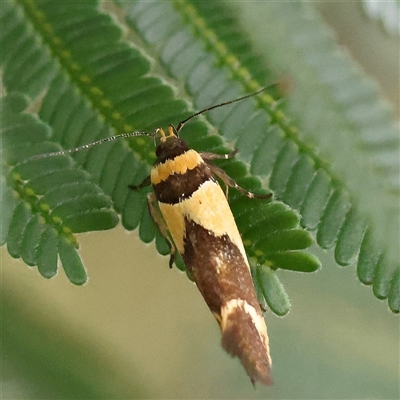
column 158, row 151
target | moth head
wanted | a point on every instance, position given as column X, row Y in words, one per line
column 171, row 145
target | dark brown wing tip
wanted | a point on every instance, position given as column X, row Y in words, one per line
column 241, row 339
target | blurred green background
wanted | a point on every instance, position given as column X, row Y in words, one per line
column 140, row 330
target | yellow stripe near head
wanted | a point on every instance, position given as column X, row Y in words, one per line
column 179, row 165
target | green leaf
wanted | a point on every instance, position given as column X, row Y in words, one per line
column 339, row 110
column 272, row 290
column 19, row 221
column 72, row 263
column 47, row 252
column 96, row 82
column 30, row 242
column 7, row 204
column 45, row 200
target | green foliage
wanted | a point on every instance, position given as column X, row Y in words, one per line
column 45, row 200
column 72, row 63
column 77, row 361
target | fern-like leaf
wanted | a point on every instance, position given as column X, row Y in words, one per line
column 45, row 201
column 96, row 83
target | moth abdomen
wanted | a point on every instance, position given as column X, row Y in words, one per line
column 222, row 276
column 244, row 336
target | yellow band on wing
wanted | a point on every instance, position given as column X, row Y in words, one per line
column 207, row 207
column 179, row 165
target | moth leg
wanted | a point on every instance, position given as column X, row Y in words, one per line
column 229, row 182
column 263, row 306
column 160, row 223
column 146, row 182
column 156, row 216
column 206, row 156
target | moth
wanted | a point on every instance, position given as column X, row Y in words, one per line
column 192, row 212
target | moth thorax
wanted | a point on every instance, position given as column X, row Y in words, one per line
column 169, row 148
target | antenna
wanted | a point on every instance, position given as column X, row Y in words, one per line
column 90, row 145
column 180, row 125
column 138, row 133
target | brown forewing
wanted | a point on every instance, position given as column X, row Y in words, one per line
column 221, row 275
